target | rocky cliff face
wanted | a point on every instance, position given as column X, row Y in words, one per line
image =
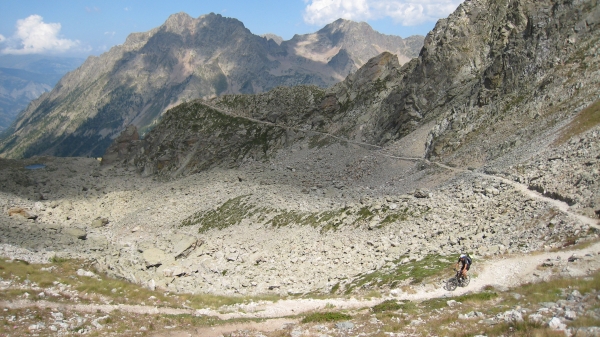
column 491, row 79
column 181, row 60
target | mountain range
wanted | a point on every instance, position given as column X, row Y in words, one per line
column 24, row 78
column 185, row 59
column 489, row 81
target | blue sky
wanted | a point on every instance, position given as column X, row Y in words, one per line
column 90, row 27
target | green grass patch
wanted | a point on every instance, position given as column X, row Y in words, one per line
column 584, row 121
column 322, row 317
column 230, row 213
column 470, row 299
column 431, row 265
column 99, row 289
column 328, row 220
column 389, row 305
column 552, row 290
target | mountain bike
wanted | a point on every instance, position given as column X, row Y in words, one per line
column 457, row 281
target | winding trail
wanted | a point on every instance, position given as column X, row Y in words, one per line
column 560, row 205
column 493, row 272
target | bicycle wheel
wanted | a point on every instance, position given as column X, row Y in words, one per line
column 464, row 281
column 451, row 284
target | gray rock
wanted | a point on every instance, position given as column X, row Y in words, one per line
column 556, row 324
column 536, row 318
column 22, row 212
column 99, row 222
column 452, row 303
column 76, row 232
column 185, row 246
column 511, row 316
column 83, row 272
column 155, row 257
column 422, row 194
column 345, row 326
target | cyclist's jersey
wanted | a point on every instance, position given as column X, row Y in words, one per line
column 467, row 261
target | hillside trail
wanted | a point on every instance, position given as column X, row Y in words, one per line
column 501, row 272
column 380, row 150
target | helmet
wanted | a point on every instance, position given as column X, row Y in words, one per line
column 462, row 256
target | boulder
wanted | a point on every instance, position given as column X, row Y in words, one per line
column 22, row 212
column 422, row 194
column 344, row 325
column 83, row 272
column 99, row 222
column 76, row 232
column 121, row 146
column 536, row 318
column 155, row 257
column 184, row 246
column 511, row 316
column 556, row 324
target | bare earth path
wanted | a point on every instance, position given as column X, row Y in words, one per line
column 500, row 272
column 381, row 151
column 503, row 272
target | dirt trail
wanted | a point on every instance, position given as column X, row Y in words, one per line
column 512, row 271
column 560, row 205
column 503, row 272
column 506, row 271
column 224, row 330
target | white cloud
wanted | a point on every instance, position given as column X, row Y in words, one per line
column 92, row 9
column 404, row 12
column 2, row 38
column 34, row 36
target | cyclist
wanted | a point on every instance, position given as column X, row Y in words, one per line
column 466, row 261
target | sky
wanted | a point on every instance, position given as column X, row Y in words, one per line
column 90, row 27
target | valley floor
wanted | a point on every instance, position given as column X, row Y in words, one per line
column 338, row 228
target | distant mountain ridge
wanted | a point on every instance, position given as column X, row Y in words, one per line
column 24, row 78
column 181, row 60
column 492, row 79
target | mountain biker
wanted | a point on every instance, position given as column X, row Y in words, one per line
column 466, row 264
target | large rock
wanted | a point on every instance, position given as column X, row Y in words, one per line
column 122, row 146
column 184, row 246
column 22, row 212
column 76, row 232
column 155, row 257
column 99, row 222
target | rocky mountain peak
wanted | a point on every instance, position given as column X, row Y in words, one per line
column 179, row 23
column 345, row 26
column 276, row 38
column 182, row 60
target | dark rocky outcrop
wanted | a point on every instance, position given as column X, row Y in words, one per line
column 491, row 78
column 121, row 147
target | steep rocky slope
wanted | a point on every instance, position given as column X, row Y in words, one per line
column 181, row 60
column 331, row 219
column 492, row 78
